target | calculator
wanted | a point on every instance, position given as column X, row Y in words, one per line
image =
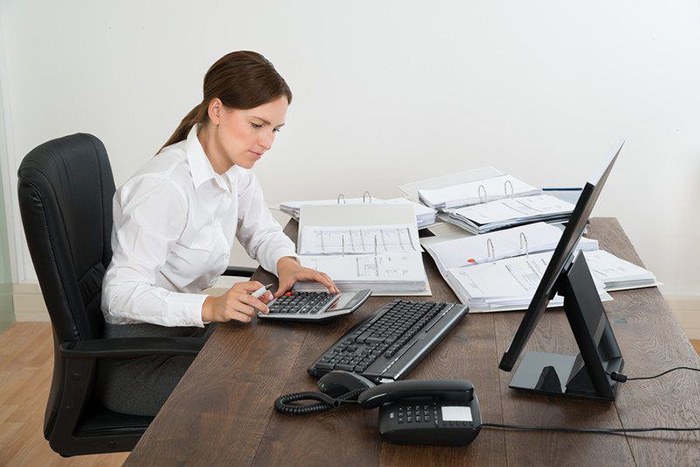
column 314, row 306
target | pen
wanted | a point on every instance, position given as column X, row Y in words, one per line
column 259, row 293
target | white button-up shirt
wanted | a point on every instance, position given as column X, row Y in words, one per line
column 174, row 223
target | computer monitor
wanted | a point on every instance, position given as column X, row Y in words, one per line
column 584, row 375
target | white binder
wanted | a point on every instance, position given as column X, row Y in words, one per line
column 363, row 246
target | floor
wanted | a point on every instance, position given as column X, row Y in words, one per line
column 26, row 365
column 25, row 376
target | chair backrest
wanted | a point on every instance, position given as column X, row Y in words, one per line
column 65, row 190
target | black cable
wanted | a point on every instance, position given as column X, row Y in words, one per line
column 605, row 431
column 620, row 377
column 284, row 405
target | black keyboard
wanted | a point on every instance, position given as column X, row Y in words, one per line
column 314, row 306
column 388, row 345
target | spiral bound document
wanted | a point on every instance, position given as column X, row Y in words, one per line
column 363, row 246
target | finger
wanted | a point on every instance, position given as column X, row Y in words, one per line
column 283, row 288
column 325, row 280
column 241, row 307
column 242, row 317
column 329, row 283
column 255, row 303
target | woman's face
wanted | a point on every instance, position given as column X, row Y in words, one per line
column 241, row 137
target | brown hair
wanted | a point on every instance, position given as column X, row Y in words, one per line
column 242, row 80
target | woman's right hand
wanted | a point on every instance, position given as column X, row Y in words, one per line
column 236, row 304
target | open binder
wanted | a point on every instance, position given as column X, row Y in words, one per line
column 486, row 199
column 499, row 271
column 363, row 246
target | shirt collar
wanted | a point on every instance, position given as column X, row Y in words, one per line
column 200, row 167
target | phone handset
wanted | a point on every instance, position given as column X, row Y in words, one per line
column 458, row 391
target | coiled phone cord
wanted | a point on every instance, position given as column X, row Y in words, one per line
column 284, row 405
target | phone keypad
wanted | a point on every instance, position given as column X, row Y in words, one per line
column 417, row 414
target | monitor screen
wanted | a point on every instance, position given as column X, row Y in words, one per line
column 561, row 260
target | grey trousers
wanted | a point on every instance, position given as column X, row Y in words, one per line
column 140, row 386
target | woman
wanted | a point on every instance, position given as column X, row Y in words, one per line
column 174, row 224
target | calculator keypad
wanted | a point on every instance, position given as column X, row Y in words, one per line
column 302, row 303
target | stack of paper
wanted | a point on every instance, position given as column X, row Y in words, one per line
column 508, row 284
column 363, row 246
column 494, row 215
column 618, row 274
column 425, row 216
column 476, row 192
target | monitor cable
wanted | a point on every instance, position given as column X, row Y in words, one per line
column 604, row 431
column 620, row 377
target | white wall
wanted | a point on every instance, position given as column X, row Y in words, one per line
column 387, row 92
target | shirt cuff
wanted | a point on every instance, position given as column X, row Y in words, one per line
column 278, row 255
column 186, row 310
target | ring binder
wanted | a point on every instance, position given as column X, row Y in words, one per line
column 485, row 198
column 342, row 197
column 364, row 246
column 523, row 239
column 368, row 195
column 376, row 258
column 469, row 191
column 490, row 250
column 505, row 189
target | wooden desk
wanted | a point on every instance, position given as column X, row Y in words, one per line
column 222, row 411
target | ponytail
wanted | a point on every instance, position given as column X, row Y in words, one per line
column 195, row 116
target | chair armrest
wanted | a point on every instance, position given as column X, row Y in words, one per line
column 131, row 347
column 239, row 271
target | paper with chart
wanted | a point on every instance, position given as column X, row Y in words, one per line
column 388, row 272
column 383, row 267
column 362, row 239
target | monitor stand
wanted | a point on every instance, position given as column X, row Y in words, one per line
column 582, row 376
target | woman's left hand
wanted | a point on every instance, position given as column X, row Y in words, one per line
column 291, row 272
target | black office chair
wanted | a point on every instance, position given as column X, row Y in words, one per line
column 65, row 195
